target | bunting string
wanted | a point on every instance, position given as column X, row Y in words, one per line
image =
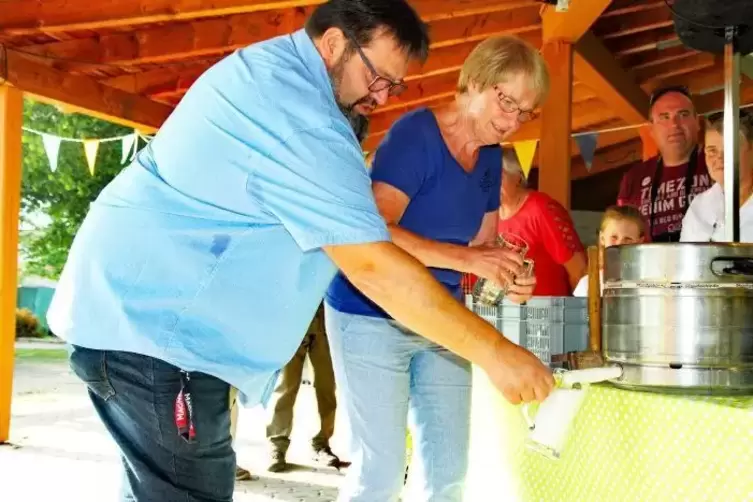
column 51, row 143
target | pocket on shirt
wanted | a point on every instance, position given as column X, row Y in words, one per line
column 91, row 367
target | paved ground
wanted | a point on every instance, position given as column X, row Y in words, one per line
column 59, row 451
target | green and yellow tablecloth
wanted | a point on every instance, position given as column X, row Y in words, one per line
column 624, row 446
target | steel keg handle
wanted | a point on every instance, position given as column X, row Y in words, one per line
column 739, row 266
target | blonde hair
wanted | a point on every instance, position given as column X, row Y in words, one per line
column 626, row 213
column 496, row 59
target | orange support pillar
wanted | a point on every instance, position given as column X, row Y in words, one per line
column 11, row 121
column 554, row 147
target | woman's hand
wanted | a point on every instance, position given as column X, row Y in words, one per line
column 494, row 263
column 521, row 290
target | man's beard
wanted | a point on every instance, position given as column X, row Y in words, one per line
column 359, row 123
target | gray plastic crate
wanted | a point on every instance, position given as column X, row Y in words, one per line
column 544, row 325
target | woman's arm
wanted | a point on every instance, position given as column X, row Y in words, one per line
column 482, row 260
column 576, row 267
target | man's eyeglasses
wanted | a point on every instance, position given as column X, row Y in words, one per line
column 509, row 105
column 379, row 83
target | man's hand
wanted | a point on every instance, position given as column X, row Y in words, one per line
column 406, row 290
column 519, row 375
column 521, row 290
column 496, row 264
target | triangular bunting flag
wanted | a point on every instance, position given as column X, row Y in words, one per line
column 137, row 137
column 587, row 147
column 650, row 150
column 525, row 151
column 126, row 147
column 51, row 146
column 90, row 149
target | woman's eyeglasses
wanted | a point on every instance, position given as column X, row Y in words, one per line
column 509, row 105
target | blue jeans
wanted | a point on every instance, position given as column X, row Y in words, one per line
column 135, row 398
column 388, row 376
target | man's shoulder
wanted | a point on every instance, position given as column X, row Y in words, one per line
column 272, row 78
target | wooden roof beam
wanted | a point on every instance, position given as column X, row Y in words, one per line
column 637, row 22
column 216, row 37
column 595, row 66
column 622, row 7
column 714, row 101
column 698, row 82
column 83, row 93
column 571, row 25
column 649, row 40
column 24, row 17
column 656, row 57
column 159, row 81
column 651, row 77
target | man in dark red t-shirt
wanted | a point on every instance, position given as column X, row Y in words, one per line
column 663, row 187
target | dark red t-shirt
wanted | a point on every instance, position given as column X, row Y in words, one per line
column 552, row 240
column 670, row 204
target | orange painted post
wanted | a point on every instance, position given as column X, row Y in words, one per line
column 11, row 121
column 556, row 120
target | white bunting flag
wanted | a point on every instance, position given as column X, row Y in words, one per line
column 90, row 149
column 51, row 146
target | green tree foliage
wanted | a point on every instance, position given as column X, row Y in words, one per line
column 65, row 194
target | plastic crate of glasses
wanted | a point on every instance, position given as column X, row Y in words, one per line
column 544, row 325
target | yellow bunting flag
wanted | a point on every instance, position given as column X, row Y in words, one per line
column 90, row 149
column 525, row 151
column 650, row 149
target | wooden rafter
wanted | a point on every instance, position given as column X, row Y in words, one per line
column 160, row 81
column 83, row 93
column 653, row 58
column 622, row 7
column 700, row 82
column 636, row 22
column 650, row 40
column 595, row 66
column 651, row 77
column 23, row 17
column 571, row 25
column 220, row 36
column 450, row 58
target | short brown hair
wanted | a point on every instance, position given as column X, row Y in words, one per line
column 498, row 58
column 715, row 122
column 627, row 212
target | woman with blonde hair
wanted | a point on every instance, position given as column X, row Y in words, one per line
column 436, row 180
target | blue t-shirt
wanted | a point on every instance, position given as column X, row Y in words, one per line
column 447, row 203
column 206, row 251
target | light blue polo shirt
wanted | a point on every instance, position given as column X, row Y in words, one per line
column 206, row 251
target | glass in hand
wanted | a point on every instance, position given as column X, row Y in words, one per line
column 491, row 293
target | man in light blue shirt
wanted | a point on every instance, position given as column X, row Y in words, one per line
column 201, row 265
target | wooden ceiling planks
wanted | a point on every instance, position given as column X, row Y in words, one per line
column 136, row 58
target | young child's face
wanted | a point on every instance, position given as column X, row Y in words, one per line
column 620, row 231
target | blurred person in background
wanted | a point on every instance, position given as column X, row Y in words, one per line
column 663, row 187
column 558, row 256
column 704, row 220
